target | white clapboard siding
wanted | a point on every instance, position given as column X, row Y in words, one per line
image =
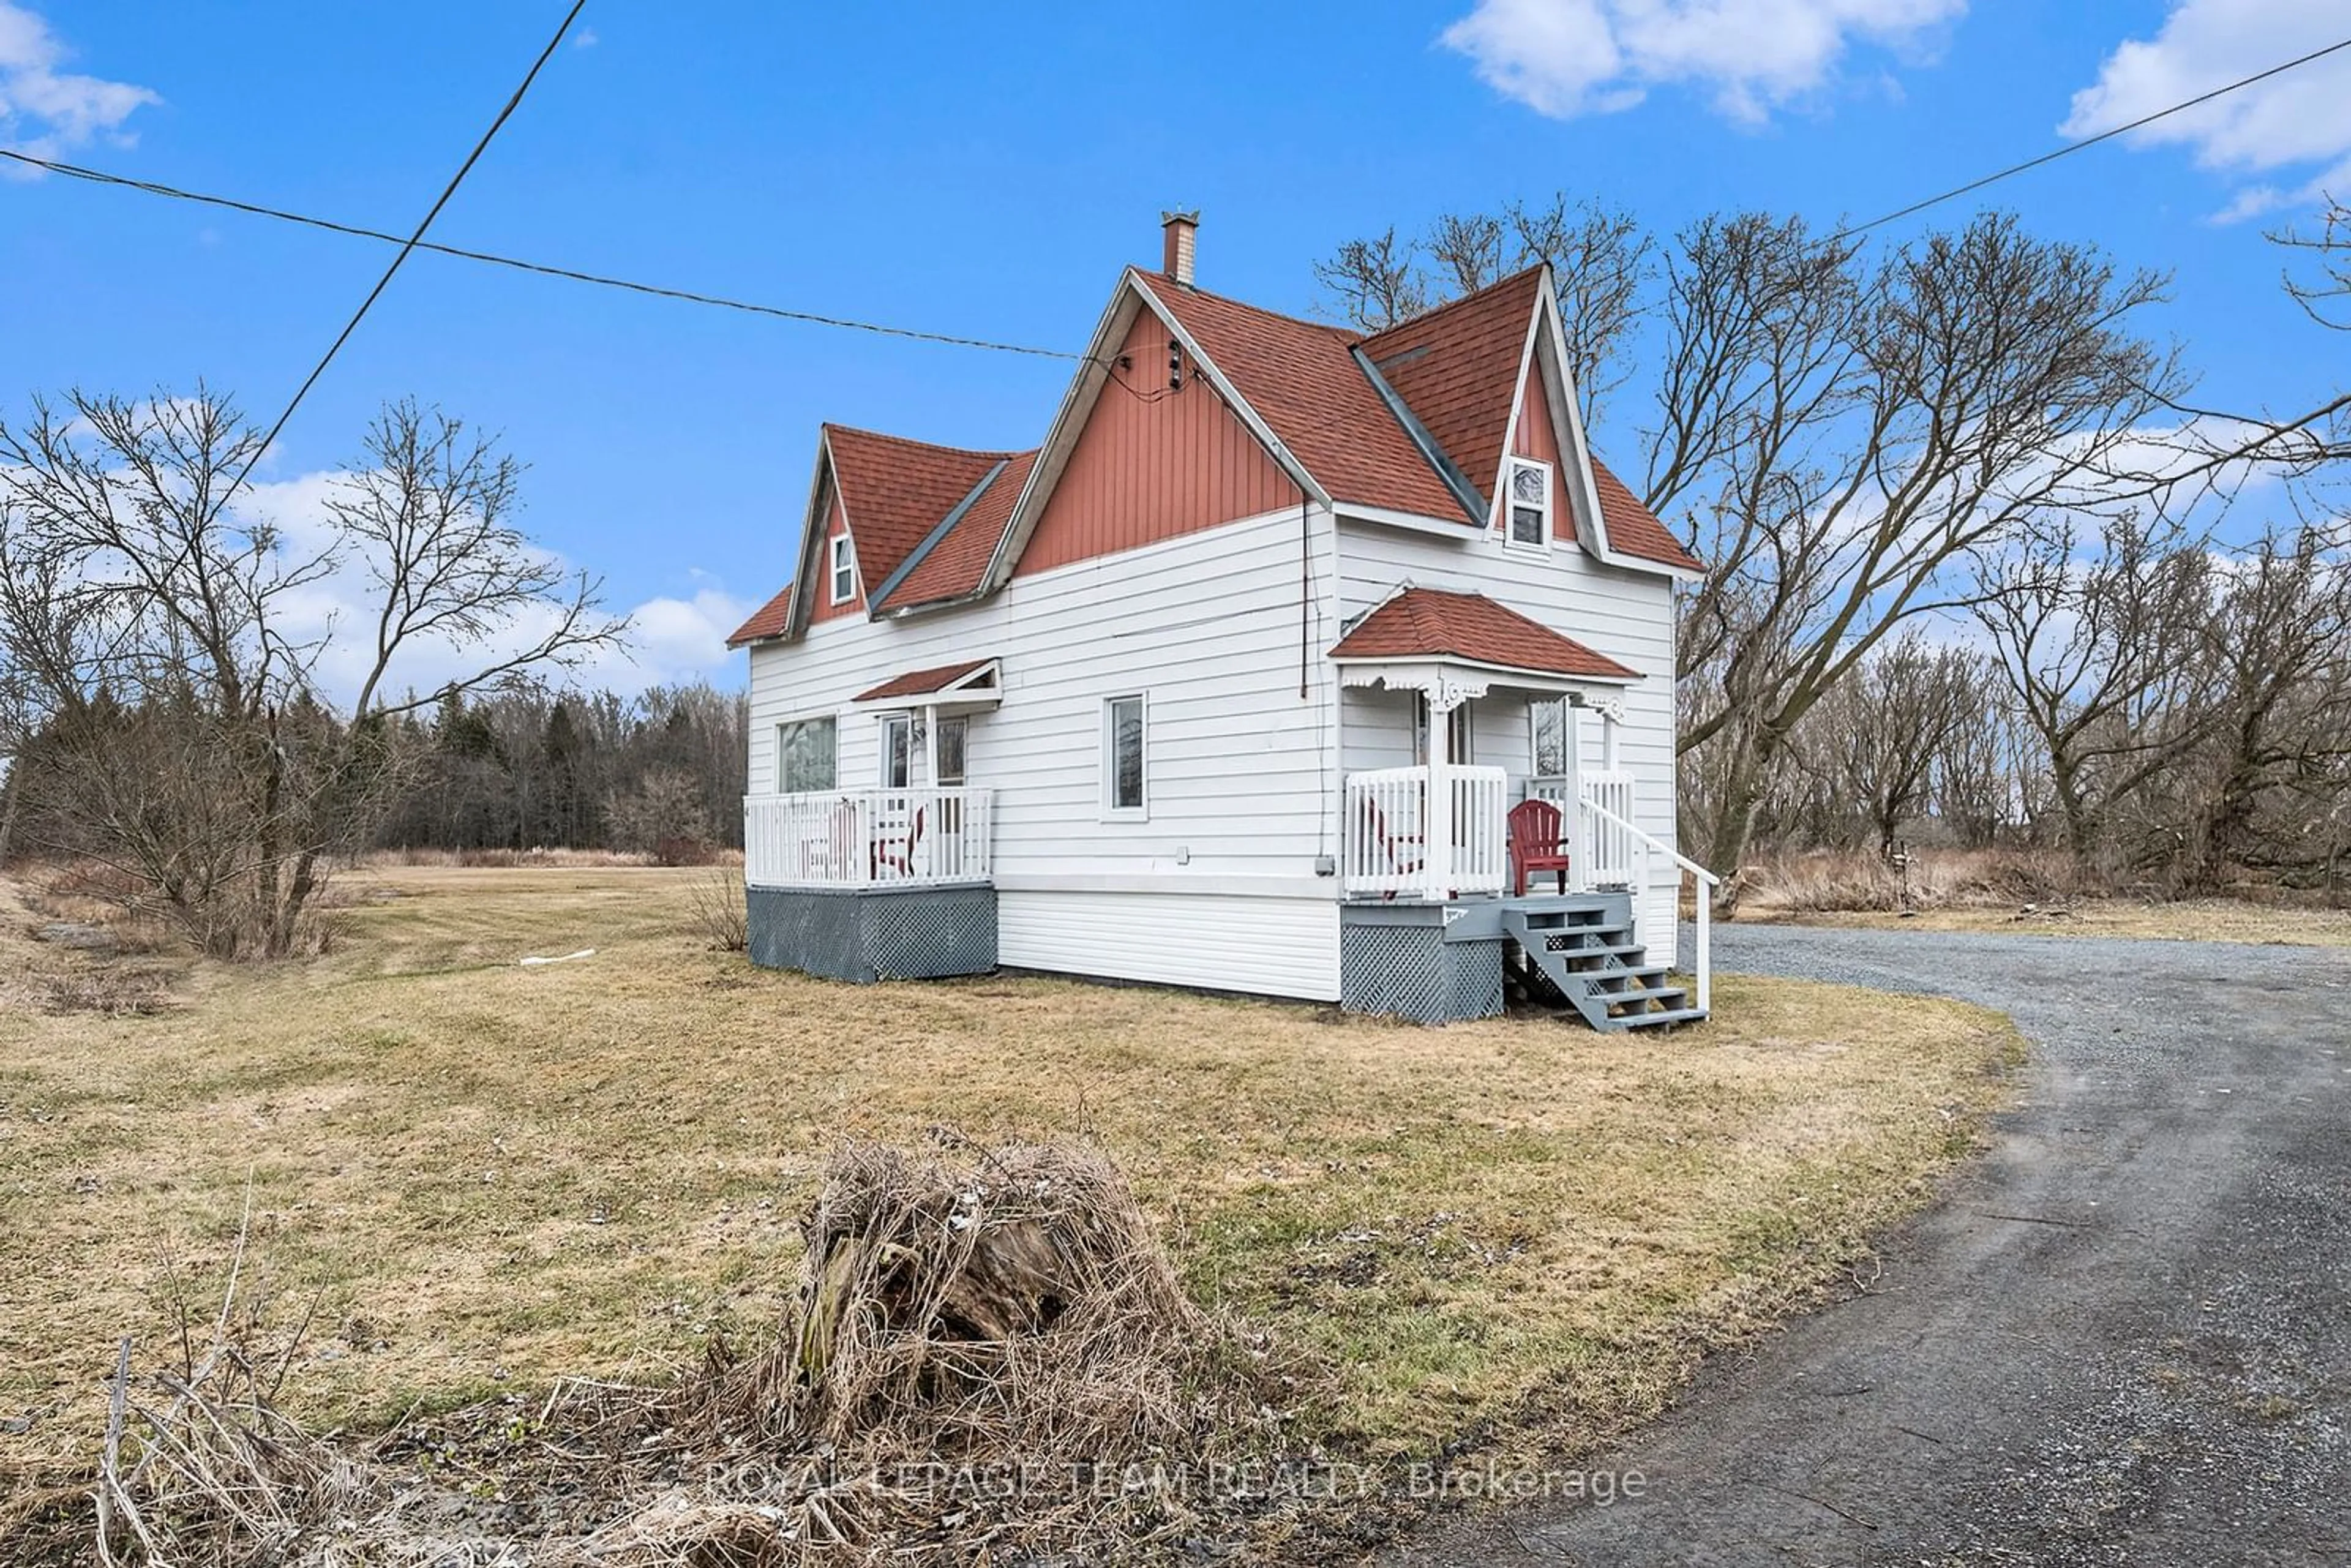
column 1242, row 770
column 1267, row 946
column 1626, row 615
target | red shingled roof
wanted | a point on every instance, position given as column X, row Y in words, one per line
column 1633, row 528
column 1456, row 367
column 896, row 491
column 957, row 562
column 766, row 622
column 1301, row 378
column 920, row 683
column 1427, row 623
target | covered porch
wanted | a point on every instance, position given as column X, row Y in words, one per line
column 1439, row 828
column 891, row 881
column 1456, row 713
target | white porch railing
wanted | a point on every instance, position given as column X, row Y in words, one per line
column 868, row 838
column 1404, row 839
column 1600, row 853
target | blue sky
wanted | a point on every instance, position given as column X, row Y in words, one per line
column 986, row 171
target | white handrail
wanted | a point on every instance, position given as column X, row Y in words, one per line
column 1651, row 844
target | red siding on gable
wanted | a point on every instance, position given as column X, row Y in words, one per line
column 1143, row 471
column 825, row 608
column 1535, row 436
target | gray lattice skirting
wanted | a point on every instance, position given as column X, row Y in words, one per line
column 876, row 933
column 1408, row 960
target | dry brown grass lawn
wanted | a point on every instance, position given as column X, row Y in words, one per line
column 485, row 1175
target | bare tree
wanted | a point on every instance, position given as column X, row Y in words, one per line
column 1902, row 712
column 1873, row 435
column 1378, row 281
column 2211, row 449
column 184, row 726
column 1980, row 767
column 662, row 816
column 2099, row 641
column 1599, row 254
column 2279, row 647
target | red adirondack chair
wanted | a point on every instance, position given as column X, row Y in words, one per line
column 895, row 853
column 1405, row 852
column 1535, row 844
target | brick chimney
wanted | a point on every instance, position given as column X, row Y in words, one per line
column 1183, row 238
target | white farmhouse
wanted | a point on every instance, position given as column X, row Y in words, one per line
column 1244, row 680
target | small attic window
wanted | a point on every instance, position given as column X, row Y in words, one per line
column 1529, row 522
column 844, row 569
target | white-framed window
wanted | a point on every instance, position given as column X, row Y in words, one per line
column 1529, row 523
column 897, row 750
column 804, row 755
column 1459, row 728
column 1124, row 756
column 1554, row 727
column 953, row 743
column 844, row 569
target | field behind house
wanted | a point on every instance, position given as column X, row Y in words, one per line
column 476, row 1175
column 2020, row 892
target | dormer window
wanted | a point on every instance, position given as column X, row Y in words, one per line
column 1530, row 520
column 844, row 569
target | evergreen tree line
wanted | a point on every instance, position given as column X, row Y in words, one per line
column 661, row 772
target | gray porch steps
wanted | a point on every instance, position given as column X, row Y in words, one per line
column 1583, row 947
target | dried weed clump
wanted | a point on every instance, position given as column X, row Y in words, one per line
column 990, row 1356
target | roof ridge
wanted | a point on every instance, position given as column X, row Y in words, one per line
column 1254, row 310
column 1473, row 297
column 832, row 426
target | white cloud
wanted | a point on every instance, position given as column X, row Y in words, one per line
column 45, row 111
column 670, row 640
column 585, row 38
column 1566, row 57
column 2282, row 142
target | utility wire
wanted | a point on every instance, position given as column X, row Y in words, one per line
column 691, row 297
column 414, row 239
column 2087, row 142
column 545, row 269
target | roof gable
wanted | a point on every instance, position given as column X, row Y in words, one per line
column 1413, row 421
column 1303, row 379
column 1460, row 367
column 955, row 564
column 895, row 491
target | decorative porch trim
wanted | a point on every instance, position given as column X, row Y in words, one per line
column 1470, row 678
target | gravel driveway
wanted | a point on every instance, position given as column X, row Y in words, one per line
column 2124, row 1337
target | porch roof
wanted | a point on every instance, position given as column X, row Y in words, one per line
column 945, row 679
column 1426, row 624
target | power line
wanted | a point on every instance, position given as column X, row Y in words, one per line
column 693, row 297
column 480, row 147
column 545, row 269
column 2087, row 143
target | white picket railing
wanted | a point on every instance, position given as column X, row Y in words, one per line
column 1404, row 840
column 868, row 838
column 1600, row 851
